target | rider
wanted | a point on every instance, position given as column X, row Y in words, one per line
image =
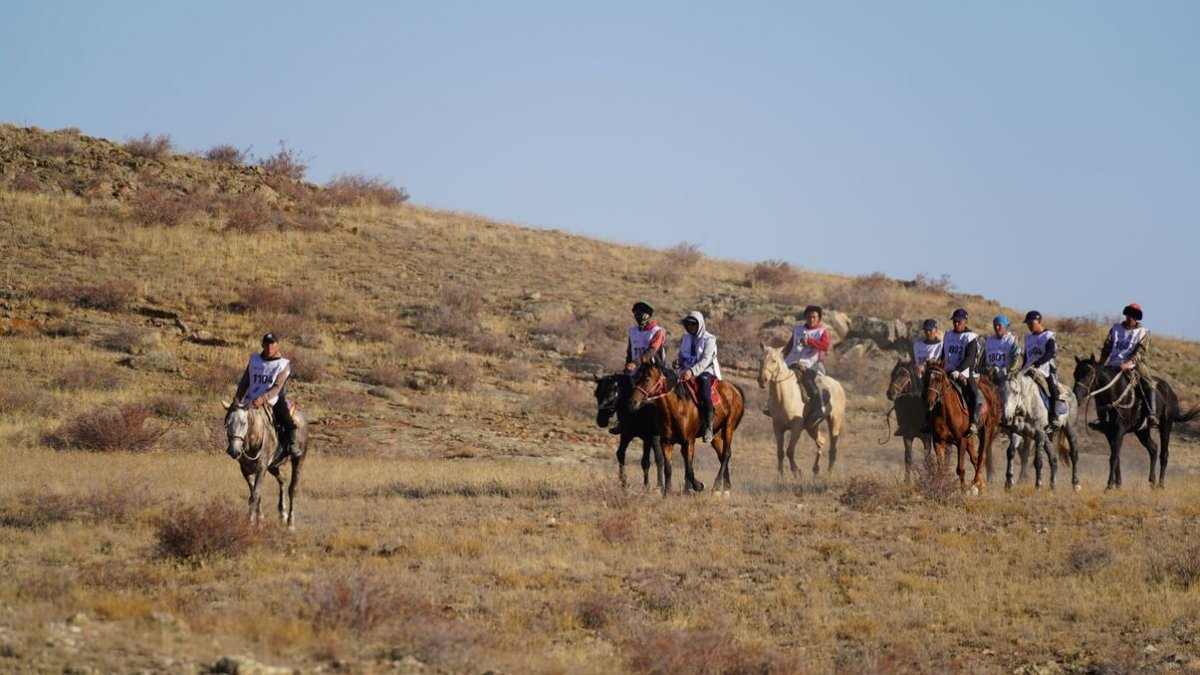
column 806, row 353
column 697, row 359
column 1128, row 346
column 265, row 381
column 1001, row 353
column 645, row 337
column 961, row 349
column 1040, row 349
column 929, row 348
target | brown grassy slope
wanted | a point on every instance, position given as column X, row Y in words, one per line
column 426, row 337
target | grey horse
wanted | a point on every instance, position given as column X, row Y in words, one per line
column 1026, row 415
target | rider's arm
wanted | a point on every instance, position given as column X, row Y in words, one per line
column 1141, row 353
column 1048, row 355
column 279, row 382
column 970, row 355
column 628, row 353
column 1014, row 363
column 708, row 352
column 822, row 343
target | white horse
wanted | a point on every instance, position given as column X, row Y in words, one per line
column 252, row 439
column 1025, row 414
column 785, row 404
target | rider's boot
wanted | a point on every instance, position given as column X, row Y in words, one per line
column 287, row 444
column 973, row 418
column 706, row 420
column 616, row 428
column 1151, row 405
column 816, row 407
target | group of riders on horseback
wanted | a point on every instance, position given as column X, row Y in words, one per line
column 1000, row 358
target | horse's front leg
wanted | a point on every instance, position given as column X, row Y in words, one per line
column 1023, row 444
column 646, row 451
column 689, row 466
column 621, row 447
column 1039, row 448
column 1073, row 446
column 1148, row 442
column 908, row 443
column 256, row 492
column 1164, row 438
column 1012, row 454
column 1114, row 458
column 293, row 486
column 662, row 455
column 779, row 452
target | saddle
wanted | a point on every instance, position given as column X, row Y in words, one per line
column 693, row 391
column 962, row 398
column 1043, row 389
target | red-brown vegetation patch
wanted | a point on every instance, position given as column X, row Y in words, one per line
column 697, row 650
column 160, row 206
column 112, row 295
column 771, row 273
column 197, row 532
column 88, row 375
column 287, row 163
column 225, row 153
column 356, row 189
column 151, row 147
column 124, row 427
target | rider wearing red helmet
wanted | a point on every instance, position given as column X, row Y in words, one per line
column 1128, row 347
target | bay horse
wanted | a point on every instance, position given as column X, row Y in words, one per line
column 947, row 415
column 679, row 422
column 905, row 394
column 786, row 404
column 251, row 435
column 613, row 393
column 1026, row 414
column 1120, row 411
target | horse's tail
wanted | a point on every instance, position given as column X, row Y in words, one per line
column 1189, row 415
column 1064, row 447
column 741, row 392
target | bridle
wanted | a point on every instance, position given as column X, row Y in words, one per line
column 937, row 399
column 242, row 454
column 905, row 389
column 653, row 393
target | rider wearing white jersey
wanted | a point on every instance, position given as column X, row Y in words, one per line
column 961, row 350
column 646, row 339
column 805, row 352
column 929, row 348
column 1040, row 350
column 1128, row 347
column 264, row 382
column 697, row 359
column 1000, row 352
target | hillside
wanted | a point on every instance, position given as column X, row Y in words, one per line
column 422, row 336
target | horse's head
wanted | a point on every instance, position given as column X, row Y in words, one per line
column 933, row 382
column 1012, row 399
column 649, row 381
column 771, row 367
column 237, row 427
column 1088, row 377
column 608, row 391
column 903, row 379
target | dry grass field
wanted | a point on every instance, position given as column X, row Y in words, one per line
column 460, row 509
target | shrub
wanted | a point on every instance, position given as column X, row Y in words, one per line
column 866, row 494
column 225, row 153
column 350, row 190
column 217, row 378
column 131, row 339
column 249, row 212
column 308, row 365
column 935, row 481
column 771, row 273
column 386, row 376
column 288, row 299
column 565, row 399
column 696, row 650
column 104, row 429
column 359, row 601
column 924, row 282
column 213, row 530
column 152, row 147
column 50, row 146
column 85, row 375
column 1086, row 558
column 156, row 206
column 599, row 609
column 1177, row 562
column 455, row 373
column 287, row 163
column 25, row 181
column 739, row 336
column 685, row 255
column 113, row 295
column 18, row 397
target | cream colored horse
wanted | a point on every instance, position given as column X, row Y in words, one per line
column 785, row 403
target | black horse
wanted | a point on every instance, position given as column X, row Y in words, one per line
column 612, row 398
column 904, row 391
column 1120, row 410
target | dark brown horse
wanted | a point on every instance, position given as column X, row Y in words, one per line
column 905, row 394
column 949, row 420
column 612, row 398
column 679, row 422
column 1120, row 411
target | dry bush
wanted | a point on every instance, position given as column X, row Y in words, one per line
column 249, row 213
column 456, row 373
column 568, row 399
column 39, row 509
column 308, row 365
column 216, row 378
column 112, row 295
column 386, row 376
column 867, row 494
column 104, row 429
column 485, row 342
column 170, row 406
column 359, row 601
column 516, row 370
column 112, row 504
column 158, row 206
column 86, row 375
column 456, row 313
column 225, row 153
column 771, row 273
column 195, row 532
column 697, row 650
column 21, row 397
column 152, row 147
column 935, row 481
column 351, row 190
column 50, row 146
column 286, row 163
column 598, row 610
column 131, row 339
column 1087, row 558
column 1176, row 561
column 532, row 489
column 25, row 181
column 685, row 255
column 616, row 528
column 924, row 282
column 298, row 300
column 408, row 348
column 1084, row 324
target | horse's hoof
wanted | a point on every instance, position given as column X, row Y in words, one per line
column 1008, row 485
column 974, row 491
column 725, row 494
column 1037, row 485
column 1078, row 487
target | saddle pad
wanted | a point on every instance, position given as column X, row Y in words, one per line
column 962, row 400
column 1060, row 406
column 694, row 389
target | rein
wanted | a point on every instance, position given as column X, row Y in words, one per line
column 650, row 395
column 243, row 454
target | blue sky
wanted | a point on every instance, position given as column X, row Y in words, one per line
column 1043, row 154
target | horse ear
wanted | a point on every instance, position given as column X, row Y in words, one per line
column 763, row 345
column 226, row 406
column 595, row 377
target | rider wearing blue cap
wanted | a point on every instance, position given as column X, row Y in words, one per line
column 1001, row 355
column 960, row 348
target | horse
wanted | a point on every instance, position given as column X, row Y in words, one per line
column 947, row 415
column 1027, row 415
column 906, row 401
column 786, row 401
column 679, row 422
column 612, row 398
column 252, row 439
column 1120, row 411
